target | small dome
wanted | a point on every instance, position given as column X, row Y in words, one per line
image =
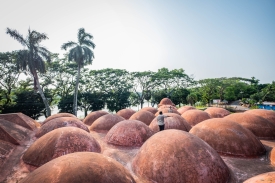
column 194, row 117
column 267, row 114
column 81, row 167
column 143, row 116
column 59, row 142
column 174, row 121
column 272, row 156
column 149, row 109
column 268, row 177
column 21, row 119
column 92, row 116
column 185, row 108
column 166, row 101
column 126, row 113
column 64, row 114
column 105, row 123
column 177, row 156
column 229, row 138
column 59, row 123
column 130, row 133
column 166, row 110
column 261, row 127
column 216, row 112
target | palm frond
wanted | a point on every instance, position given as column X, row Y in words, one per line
column 68, row 45
column 88, row 43
column 44, row 53
column 37, row 37
column 14, row 34
column 80, row 34
column 88, row 55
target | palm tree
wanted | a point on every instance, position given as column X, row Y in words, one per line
column 31, row 58
column 80, row 53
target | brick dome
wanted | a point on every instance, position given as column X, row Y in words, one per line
column 105, row 123
column 194, row 117
column 173, row 122
column 92, row 116
column 267, row 114
column 216, row 112
column 268, row 177
column 21, row 119
column 130, row 133
column 59, row 142
column 229, row 138
column 261, row 127
column 272, row 156
column 81, row 167
column 185, row 108
column 143, row 116
column 166, row 101
column 177, row 156
column 149, row 109
column 59, row 123
column 126, row 113
column 64, row 114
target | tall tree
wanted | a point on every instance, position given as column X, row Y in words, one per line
column 31, row 58
column 80, row 53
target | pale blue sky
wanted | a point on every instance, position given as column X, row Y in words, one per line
column 207, row 38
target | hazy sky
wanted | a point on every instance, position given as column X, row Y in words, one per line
column 207, row 38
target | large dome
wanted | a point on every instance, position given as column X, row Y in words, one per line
column 177, row 156
column 105, row 123
column 261, row 127
column 143, row 116
column 194, row 117
column 166, row 109
column 64, row 114
column 174, row 121
column 216, row 112
column 229, row 138
column 59, row 123
column 185, row 108
column 268, row 177
column 81, row 167
column 91, row 117
column 21, row 119
column 59, row 142
column 126, row 113
column 267, row 114
column 130, row 133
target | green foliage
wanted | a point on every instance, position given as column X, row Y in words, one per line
column 179, row 96
column 117, row 100
column 27, row 102
column 192, row 98
column 91, row 101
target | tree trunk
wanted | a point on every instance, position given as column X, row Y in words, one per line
column 76, row 91
column 45, row 101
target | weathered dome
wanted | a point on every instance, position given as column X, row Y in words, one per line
column 174, row 121
column 130, row 133
column 13, row 133
column 126, row 113
column 229, row 138
column 59, row 123
column 59, row 142
column 166, row 110
column 177, row 156
column 194, row 117
column 143, row 116
column 149, row 109
column 81, row 167
column 64, row 114
column 185, row 108
column 21, row 119
column 261, row 127
column 92, row 116
column 105, row 123
column 166, row 101
column 272, row 156
column 267, row 114
column 216, row 112
column 268, row 177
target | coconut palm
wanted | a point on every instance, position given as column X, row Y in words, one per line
column 32, row 57
column 80, row 53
